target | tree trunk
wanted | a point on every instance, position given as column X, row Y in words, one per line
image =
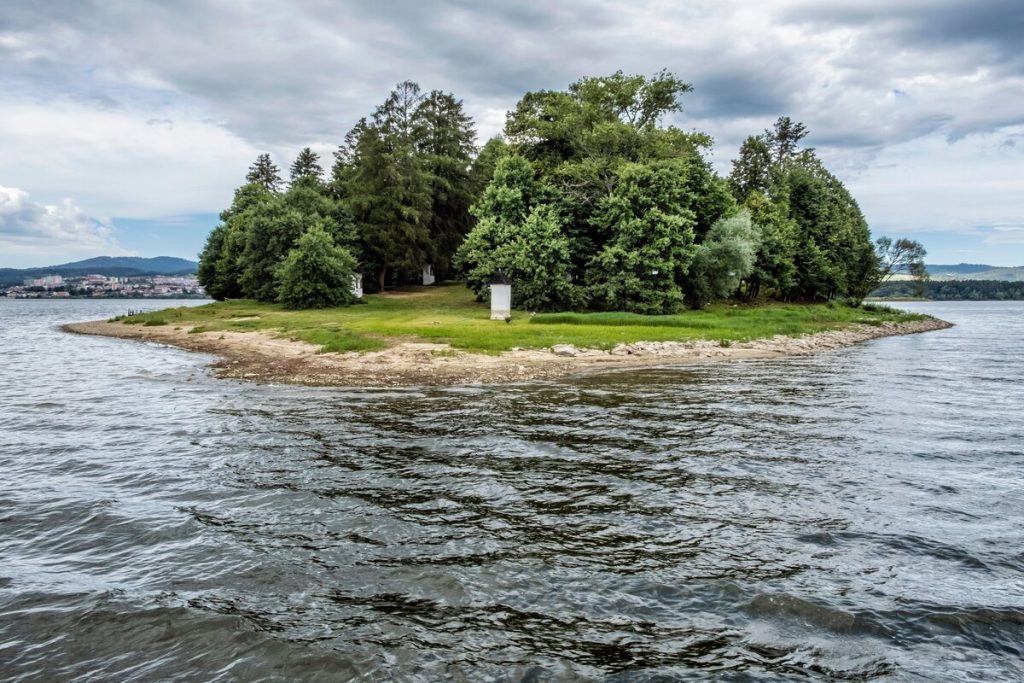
column 381, row 275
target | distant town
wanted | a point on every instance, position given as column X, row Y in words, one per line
column 96, row 286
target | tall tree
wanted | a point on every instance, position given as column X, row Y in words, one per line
column 784, row 137
column 444, row 138
column 388, row 193
column 751, row 170
column 264, row 173
column 307, row 165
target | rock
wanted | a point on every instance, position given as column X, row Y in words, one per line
column 567, row 350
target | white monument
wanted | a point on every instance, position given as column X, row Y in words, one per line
column 428, row 275
column 357, row 285
column 501, row 296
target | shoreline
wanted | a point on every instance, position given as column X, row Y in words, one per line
column 262, row 357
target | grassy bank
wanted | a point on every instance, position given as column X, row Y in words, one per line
column 450, row 314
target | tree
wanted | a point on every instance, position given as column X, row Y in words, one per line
column 508, row 200
column 317, row 273
column 751, row 170
column 220, row 266
column 833, row 251
column 388, row 194
column 482, row 169
column 649, row 243
column 783, row 137
column 270, row 234
column 534, row 253
column 723, row 260
column 891, row 257
column 306, row 165
column 444, row 139
column 264, row 173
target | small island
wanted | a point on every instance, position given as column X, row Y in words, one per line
column 622, row 244
column 439, row 335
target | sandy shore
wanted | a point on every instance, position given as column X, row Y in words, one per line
column 259, row 356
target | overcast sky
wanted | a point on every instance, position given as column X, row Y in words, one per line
column 126, row 125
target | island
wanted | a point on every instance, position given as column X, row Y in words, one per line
column 612, row 238
column 440, row 335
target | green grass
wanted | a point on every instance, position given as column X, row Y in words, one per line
column 450, row 314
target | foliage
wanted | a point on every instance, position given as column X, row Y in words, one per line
column 751, row 170
column 307, row 165
column 264, row 173
column 891, row 257
column 723, row 260
column 444, row 138
column 953, row 290
column 649, row 242
column 316, row 273
column 520, row 235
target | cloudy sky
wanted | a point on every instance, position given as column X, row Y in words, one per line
column 125, row 125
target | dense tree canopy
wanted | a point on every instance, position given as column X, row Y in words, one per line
column 592, row 199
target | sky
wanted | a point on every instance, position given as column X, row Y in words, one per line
column 125, row 125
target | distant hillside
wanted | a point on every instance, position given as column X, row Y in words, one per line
column 160, row 265
column 975, row 271
column 112, row 266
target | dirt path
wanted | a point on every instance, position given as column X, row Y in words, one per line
column 262, row 357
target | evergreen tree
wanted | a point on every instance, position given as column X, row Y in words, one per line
column 444, row 137
column 751, row 171
column 264, row 173
column 783, row 137
column 307, row 165
column 388, row 193
column 317, row 273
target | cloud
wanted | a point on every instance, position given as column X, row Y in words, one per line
column 59, row 231
column 147, row 109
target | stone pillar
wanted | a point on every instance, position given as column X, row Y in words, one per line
column 501, row 296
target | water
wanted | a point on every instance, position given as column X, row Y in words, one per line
column 854, row 515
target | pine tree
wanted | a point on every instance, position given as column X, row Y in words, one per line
column 264, row 173
column 444, row 139
column 383, row 179
column 306, row 165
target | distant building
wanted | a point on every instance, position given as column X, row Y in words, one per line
column 47, row 281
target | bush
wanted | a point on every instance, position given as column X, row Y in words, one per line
column 316, row 273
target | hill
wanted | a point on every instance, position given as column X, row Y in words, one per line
column 111, row 266
column 975, row 271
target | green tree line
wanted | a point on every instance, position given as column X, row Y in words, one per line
column 589, row 201
column 953, row 290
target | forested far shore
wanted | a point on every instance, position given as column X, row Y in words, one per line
column 952, row 290
column 588, row 202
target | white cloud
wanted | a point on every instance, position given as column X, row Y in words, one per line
column 128, row 162
column 148, row 109
column 57, row 232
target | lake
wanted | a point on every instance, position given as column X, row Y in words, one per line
column 857, row 515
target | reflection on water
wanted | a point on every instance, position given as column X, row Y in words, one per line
column 853, row 515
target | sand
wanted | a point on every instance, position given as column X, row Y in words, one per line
column 263, row 357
